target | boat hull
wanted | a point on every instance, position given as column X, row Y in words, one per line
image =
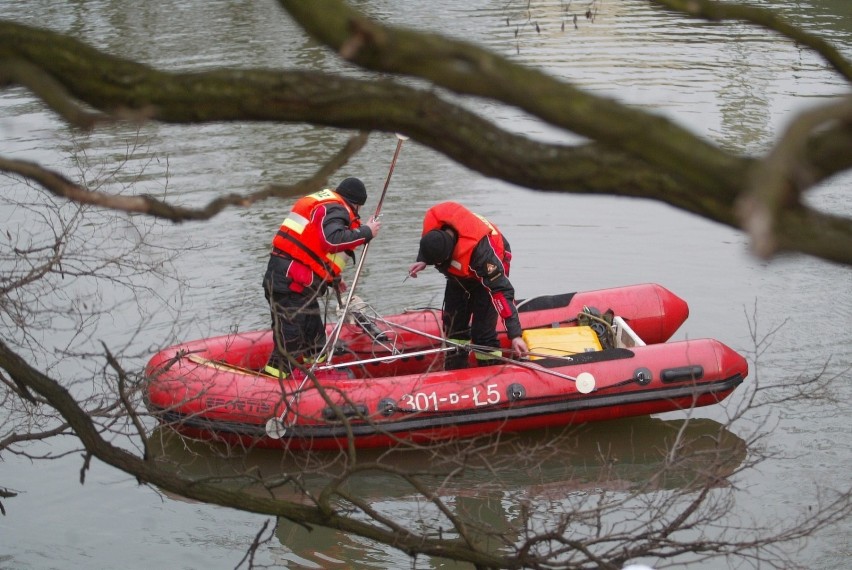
column 209, row 388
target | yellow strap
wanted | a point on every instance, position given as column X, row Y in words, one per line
column 314, row 360
column 272, row 371
column 494, row 354
column 218, row 364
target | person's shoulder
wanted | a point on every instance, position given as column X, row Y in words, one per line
column 336, row 214
column 336, row 208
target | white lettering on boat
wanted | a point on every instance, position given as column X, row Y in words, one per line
column 432, row 402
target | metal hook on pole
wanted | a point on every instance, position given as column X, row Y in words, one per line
column 329, row 347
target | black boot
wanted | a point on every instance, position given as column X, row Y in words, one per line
column 456, row 359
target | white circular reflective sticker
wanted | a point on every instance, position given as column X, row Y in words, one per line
column 585, row 382
column 275, row 429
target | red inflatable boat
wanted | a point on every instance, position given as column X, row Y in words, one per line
column 594, row 356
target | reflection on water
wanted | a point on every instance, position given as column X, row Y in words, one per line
column 497, row 487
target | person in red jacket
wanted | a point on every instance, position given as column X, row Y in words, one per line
column 308, row 254
column 474, row 257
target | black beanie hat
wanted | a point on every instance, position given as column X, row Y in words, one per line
column 353, row 191
column 436, row 246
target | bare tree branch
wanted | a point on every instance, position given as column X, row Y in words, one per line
column 60, row 186
column 614, row 519
column 717, row 11
column 637, row 154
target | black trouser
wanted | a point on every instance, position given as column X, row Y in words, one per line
column 297, row 326
column 469, row 314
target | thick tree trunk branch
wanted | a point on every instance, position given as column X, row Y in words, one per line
column 469, row 70
column 711, row 172
column 630, row 153
column 637, row 155
column 778, row 182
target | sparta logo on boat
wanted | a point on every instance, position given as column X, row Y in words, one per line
column 239, row 404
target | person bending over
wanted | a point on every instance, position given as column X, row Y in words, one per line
column 474, row 257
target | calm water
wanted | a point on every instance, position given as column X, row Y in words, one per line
column 730, row 83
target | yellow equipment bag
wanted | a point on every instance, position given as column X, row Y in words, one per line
column 563, row 341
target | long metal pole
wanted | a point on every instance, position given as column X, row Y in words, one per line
column 335, row 334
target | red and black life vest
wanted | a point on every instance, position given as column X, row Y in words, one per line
column 300, row 235
column 470, row 229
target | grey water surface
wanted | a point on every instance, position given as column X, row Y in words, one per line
column 734, row 84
